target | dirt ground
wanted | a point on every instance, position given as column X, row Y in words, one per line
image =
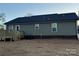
column 40, row 47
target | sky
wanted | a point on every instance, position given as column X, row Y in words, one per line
column 14, row 10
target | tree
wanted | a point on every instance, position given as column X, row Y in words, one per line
column 28, row 15
column 2, row 20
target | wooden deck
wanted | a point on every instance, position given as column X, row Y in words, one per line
column 13, row 35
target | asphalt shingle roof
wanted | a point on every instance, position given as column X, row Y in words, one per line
column 45, row 18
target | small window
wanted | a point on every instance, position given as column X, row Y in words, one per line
column 36, row 26
column 17, row 27
column 54, row 27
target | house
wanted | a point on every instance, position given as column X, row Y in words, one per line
column 50, row 25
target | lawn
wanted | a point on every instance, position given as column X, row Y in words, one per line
column 40, row 47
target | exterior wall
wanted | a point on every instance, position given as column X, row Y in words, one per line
column 7, row 27
column 63, row 28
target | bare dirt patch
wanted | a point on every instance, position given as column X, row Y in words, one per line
column 40, row 47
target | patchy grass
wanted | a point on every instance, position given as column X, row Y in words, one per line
column 40, row 47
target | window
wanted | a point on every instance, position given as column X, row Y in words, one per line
column 54, row 27
column 17, row 27
column 10, row 27
column 36, row 26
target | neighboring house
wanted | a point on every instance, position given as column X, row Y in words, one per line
column 46, row 25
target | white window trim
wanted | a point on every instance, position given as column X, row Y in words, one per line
column 16, row 27
column 37, row 25
column 54, row 25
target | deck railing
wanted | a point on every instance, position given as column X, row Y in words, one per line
column 13, row 35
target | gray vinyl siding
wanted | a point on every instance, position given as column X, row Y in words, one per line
column 7, row 27
column 63, row 28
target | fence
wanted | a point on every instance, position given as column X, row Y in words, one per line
column 13, row 35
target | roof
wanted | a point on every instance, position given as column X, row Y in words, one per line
column 44, row 18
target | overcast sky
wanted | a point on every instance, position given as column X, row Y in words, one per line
column 18, row 10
